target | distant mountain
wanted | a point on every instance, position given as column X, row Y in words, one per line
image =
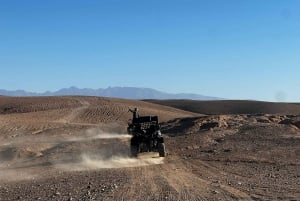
column 116, row 92
column 16, row 93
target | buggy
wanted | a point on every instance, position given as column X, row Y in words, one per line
column 146, row 135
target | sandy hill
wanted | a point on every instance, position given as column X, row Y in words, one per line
column 231, row 106
column 82, row 109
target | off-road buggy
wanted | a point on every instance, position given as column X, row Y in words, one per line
column 146, row 135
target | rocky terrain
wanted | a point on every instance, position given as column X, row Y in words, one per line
column 76, row 148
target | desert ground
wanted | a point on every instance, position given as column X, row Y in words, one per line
column 77, row 148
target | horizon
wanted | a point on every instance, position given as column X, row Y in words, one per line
column 109, row 87
column 216, row 98
column 239, row 50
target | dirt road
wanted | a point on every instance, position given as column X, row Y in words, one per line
column 175, row 180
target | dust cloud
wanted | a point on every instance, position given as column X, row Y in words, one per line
column 94, row 133
column 24, row 158
column 117, row 159
column 89, row 162
column 16, row 175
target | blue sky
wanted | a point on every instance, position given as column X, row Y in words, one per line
column 235, row 49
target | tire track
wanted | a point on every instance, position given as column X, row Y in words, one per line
column 75, row 112
column 174, row 180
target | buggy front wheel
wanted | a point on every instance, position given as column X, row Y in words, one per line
column 161, row 149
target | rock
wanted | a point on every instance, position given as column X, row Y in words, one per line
column 286, row 121
column 209, row 125
column 210, row 151
column 219, row 140
column 192, row 147
column 215, row 192
column 297, row 124
column 274, row 119
column 263, row 120
column 189, row 147
column 195, row 147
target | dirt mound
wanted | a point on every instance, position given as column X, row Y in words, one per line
column 192, row 125
column 231, row 106
column 195, row 124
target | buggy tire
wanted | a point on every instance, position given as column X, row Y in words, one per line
column 134, row 150
column 161, row 149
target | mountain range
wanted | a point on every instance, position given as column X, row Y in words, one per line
column 115, row 92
